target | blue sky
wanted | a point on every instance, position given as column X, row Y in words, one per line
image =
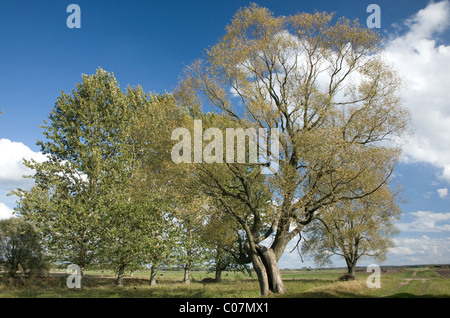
column 149, row 43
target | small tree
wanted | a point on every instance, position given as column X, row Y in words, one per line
column 191, row 250
column 221, row 234
column 353, row 229
column 20, row 248
column 164, row 243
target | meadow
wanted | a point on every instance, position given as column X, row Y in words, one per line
column 426, row 282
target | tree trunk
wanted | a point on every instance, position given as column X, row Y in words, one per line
column 153, row 276
column 120, row 276
column 261, row 272
column 12, row 271
column 269, row 276
column 270, row 262
column 81, row 276
column 186, row 279
column 350, row 268
column 218, row 274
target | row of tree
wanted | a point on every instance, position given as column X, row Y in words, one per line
column 108, row 195
column 110, row 192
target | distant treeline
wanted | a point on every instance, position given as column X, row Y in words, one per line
column 384, row 268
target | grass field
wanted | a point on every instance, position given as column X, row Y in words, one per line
column 405, row 282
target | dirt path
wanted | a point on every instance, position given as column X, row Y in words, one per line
column 407, row 280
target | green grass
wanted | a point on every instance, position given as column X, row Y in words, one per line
column 414, row 282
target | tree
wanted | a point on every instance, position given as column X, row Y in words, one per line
column 353, row 229
column 57, row 206
column 83, row 199
column 164, row 244
column 20, row 248
column 191, row 250
column 221, row 234
column 323, row 83
column 135, row 220
column 82, row 146
column 159, row 179
column 131, row 228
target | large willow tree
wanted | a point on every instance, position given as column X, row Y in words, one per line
column 324, row 84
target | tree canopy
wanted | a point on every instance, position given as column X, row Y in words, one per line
column 323, row 83
column 353, row 230
column 117, row 190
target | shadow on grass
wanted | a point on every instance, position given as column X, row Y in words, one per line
column 324, row 294
column 54, row 286
column 409, row 295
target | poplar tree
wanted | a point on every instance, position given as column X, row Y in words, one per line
column 85, row 200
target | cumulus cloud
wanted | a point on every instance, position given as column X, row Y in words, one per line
column 442, row 193
column 424, row 63
column 426, row 221
column 422, row 250
column 12, row 169
column 401, row 250
column 5, row 212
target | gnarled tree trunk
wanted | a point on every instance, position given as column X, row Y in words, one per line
column 271, row 270
column 261, row 272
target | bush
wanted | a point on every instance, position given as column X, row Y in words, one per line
column 208, row 280
column 346, row 277
column 20, row 248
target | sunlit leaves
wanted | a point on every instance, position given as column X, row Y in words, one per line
column 324, row 84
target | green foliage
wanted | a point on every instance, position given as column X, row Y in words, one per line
column 221, row 235
column 93, row 198
column 20, row 248
column 322, row 82
column 109, row 194
column 353, row 229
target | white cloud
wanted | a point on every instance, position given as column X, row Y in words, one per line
column 425, row 66
column 422, row 250
column 442, row 193
column 12, row 169
column 401, row 250
column 5, row 212
column 426, row 221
